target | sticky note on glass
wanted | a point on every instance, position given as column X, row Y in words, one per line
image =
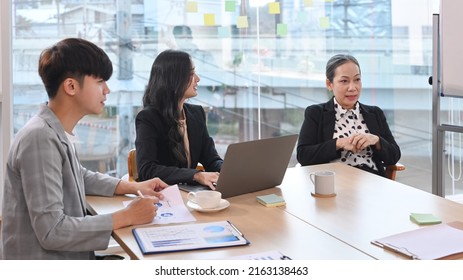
column 282, row 29
column 192, row 7
column 230, row 6
column 223, row 32
column 308, row 3
column 274, row 8
column 209, row 19
column 302, row 17
column 271, row 200
column 424, row 219
column 242, row 22
column 325, row 22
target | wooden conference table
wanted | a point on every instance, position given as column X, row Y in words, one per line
column 366, row 207
column 266, row 228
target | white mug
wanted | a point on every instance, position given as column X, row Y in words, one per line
column 323, row 182
column 205, row 199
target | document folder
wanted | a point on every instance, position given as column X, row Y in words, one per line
column 185, row 237
column 427, row 243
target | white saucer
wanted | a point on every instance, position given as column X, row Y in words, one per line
column 223, row 204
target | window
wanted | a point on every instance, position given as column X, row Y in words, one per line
column 261, row 64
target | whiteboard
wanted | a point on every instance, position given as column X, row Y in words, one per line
column 451, row 47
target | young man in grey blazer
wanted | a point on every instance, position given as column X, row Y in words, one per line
column 44, row 208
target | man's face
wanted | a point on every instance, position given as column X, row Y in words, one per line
column 92, row 95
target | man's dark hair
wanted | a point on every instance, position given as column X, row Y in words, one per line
column 72, row 58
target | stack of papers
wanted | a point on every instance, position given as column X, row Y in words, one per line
column 271, row 200
column 269, row 255
column 424, row 219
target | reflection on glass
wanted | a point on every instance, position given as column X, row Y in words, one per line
column 253, row 76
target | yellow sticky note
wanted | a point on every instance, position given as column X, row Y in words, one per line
column 191, row 7
column 324, row 22
column 274, row 8
column 230, row 6
column 209, row 19
column 282, row 29
column 308, row 3
column 242, row 22
column 328, row 0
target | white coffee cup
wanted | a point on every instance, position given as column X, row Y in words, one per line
column 323, row 182
column 205, row 199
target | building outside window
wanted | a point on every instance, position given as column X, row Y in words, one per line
column 261, row 63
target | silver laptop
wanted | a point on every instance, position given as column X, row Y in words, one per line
column 252, row 166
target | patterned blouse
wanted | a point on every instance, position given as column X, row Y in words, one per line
column 349, row 122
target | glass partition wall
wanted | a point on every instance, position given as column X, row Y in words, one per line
column 261, row 63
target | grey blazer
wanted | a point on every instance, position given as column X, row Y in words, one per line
column 44, row 208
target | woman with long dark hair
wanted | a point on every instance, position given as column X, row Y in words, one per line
column 172, row 136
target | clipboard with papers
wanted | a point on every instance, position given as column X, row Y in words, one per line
column 427, row 243
column 152, row 240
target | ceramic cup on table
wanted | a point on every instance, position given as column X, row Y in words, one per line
column 323, row 182
column 205, row 199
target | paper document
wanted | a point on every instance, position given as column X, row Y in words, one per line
column 427, row 243
column 188, row 237
column 171, row 209
column 265, row 256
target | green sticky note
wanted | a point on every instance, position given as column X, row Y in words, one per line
column 282, row 29
column 271, row 200
column 230, row 6
column 424, row 219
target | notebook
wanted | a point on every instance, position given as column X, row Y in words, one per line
column 252, row 166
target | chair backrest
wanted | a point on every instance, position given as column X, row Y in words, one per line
column 392, row 169
column 132, row 165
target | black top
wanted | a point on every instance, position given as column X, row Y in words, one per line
column 154, row 159
column 316, row 144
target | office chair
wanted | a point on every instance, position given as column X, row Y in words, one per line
column 392, row 169
column 132, row 166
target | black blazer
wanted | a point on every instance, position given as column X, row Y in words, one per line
column 316, row 144
column 154, row 159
